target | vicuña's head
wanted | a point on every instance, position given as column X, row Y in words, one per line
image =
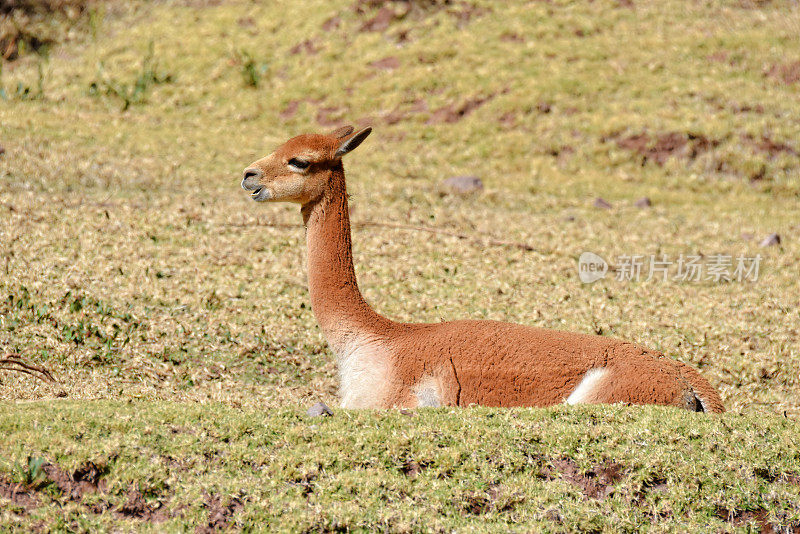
column 299, row 170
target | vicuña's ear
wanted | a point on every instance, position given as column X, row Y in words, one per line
column 350, row 144
column 341, row 133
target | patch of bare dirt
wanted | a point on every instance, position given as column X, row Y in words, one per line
column 656, row 485
column 478, row 502
column 508, row 120
column 412, row 468
column 19, row 495
column 293, row 105
column 220, row 515
column 786, row 73
column 720, row 56
column 332, row 23
column 512, row 37
column 381, row 14
column 402, row 112
column 451, row 113
column 304, row 482
column 330, row 115
column 309, row 47
column 769, row 146
column 597, row 483
column 658, row 148
column 740, row 518
column 85, row 479
column 136, row 507
column 387, row 63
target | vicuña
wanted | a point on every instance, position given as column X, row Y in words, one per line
column 383, row 363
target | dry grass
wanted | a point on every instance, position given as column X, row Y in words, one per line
column 133, row 266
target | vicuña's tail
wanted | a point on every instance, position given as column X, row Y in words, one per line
column 703, row 390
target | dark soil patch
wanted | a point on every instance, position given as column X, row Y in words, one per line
column 330, row 115
column 381, row 20
column 455, row 112
column 304, row 482
column 597, row 483
column 390, row 12
column 742, row 517
column 508, row 120
column 18, row 494
column 769, row 146
column 512, row 37
column 747, row 108
column 658, row 148
column 655, row 485
column 136, row 507
column 412, row 468
column 720, row 56
column 786, row 73
column 401, row 113
column 308, row 46
column 219, row 515
column 602, row 203
column 85, row 479
column 477, row 503
column 290, row 110
column 387, row 63
column 332, row 23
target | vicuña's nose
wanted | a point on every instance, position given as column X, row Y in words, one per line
column 253, row 172
column 251, row 176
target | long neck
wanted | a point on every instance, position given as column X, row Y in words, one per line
column 338, row 305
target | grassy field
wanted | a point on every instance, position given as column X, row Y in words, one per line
column 174, row 315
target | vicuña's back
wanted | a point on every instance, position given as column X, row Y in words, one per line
column 383, row 363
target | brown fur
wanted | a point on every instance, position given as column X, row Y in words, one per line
column 384, row 363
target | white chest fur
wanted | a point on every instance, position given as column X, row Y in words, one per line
column 363, row 374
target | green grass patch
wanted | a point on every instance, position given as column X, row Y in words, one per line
column 566, row 469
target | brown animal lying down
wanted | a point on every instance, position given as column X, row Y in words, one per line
column 384, row 364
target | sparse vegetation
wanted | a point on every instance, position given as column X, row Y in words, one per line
column 173, row 311
column 252, row 70
column 136, row 91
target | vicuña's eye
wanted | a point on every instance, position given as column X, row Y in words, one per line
column 299, row 163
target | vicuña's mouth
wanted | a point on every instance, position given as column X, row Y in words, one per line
column 260, row 194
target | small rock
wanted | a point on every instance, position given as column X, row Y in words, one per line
column 770, row 240
column 643, row 202
column 463, row 185
column 602, row 203
column 407, row 413
column 747, row 236
column 320, row 409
